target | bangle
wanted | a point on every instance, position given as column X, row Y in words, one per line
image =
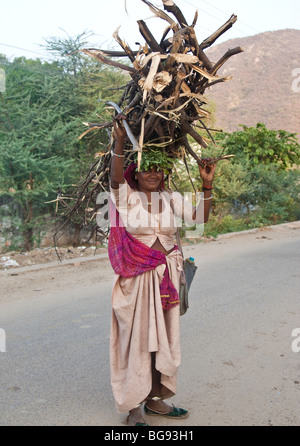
column 115, row 154
column 209, row 198
column 207, row 188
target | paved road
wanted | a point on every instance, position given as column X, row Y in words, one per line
column 238, row 367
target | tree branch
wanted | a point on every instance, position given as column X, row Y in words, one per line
column 224, row 58
column 144, row 30
column 170, row 6
column 210, row 40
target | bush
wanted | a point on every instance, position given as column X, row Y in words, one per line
column 224, row 225
column 259, row 187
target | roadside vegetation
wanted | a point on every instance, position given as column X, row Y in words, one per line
column 260, row 186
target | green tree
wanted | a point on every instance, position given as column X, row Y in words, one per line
column 86, row 81
column 260, row 145
column 41, row 118
column 257, row 187
column 261, row 185
column 31, row 163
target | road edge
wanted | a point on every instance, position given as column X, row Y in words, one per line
column 104, row 257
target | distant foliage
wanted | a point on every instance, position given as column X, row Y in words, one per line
column 260, row 145
column 260, row 186
column 41, row 116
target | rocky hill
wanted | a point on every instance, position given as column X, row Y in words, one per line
column 266, row 82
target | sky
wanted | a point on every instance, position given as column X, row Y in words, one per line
column 25, row 24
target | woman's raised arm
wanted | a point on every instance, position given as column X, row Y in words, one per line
column 117, row 160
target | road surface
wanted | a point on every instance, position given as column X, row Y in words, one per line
column 238, row 367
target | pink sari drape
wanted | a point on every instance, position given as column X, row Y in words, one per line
column 129, row 258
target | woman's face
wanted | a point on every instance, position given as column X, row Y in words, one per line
column 150, row 180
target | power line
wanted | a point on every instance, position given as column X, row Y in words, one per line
column 213, row 16
column 28, row 68
column 200, row 9
column 209, row 14
column 19, row 48
column 225, row 13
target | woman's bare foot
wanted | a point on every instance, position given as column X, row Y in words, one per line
column 159, row 406
column 135, row 416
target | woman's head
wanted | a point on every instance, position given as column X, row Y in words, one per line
column 154, row 166
column 150, row 180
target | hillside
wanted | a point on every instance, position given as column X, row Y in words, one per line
column 261, row 88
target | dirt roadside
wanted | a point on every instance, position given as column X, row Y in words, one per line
column 15, row 259
column 40, row 271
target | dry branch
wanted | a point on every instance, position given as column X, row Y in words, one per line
column 170, row 6
column 211, row 39
column 98, row 54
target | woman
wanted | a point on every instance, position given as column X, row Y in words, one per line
column 145, row 344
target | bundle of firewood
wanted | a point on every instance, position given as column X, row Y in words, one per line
column 163, row 102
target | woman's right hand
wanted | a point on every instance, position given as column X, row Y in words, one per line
column 119, row 130
column 117, row 162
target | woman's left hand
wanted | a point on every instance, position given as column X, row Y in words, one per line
column 207, row 172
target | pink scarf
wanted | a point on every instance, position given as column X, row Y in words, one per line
column 129, row 257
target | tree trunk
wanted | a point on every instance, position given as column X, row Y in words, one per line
column 28, row 231
column 28, row 239
column 76, row 236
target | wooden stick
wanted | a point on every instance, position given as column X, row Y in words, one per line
column 187, row 128
column 97, row 54
column 206, row 162
column 114, row 53
column 224, row 58
column 211, row 39
column 187, row 146
column 141, row 142
column 161, row 14
column 188, row 172
column 170, row 6
column 124, row 45
column 144, row 30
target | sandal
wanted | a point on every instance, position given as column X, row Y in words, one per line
column 175, row 413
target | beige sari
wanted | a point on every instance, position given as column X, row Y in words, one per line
column 140, row 327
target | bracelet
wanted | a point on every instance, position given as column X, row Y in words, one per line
column 207, row 188
column 209, row 198
column 115, row 154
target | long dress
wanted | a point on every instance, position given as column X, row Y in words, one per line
column 139, row 324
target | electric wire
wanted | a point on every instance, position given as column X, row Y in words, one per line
column 226, row 14
column 214, row 17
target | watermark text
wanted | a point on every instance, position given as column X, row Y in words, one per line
column 296, row 81
column 2, row 81
column 164, row 210
column 2, row 341
column 296, row 342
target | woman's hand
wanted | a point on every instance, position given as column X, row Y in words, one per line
column 207, row 171
column 117, row 161
column 119, row 130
